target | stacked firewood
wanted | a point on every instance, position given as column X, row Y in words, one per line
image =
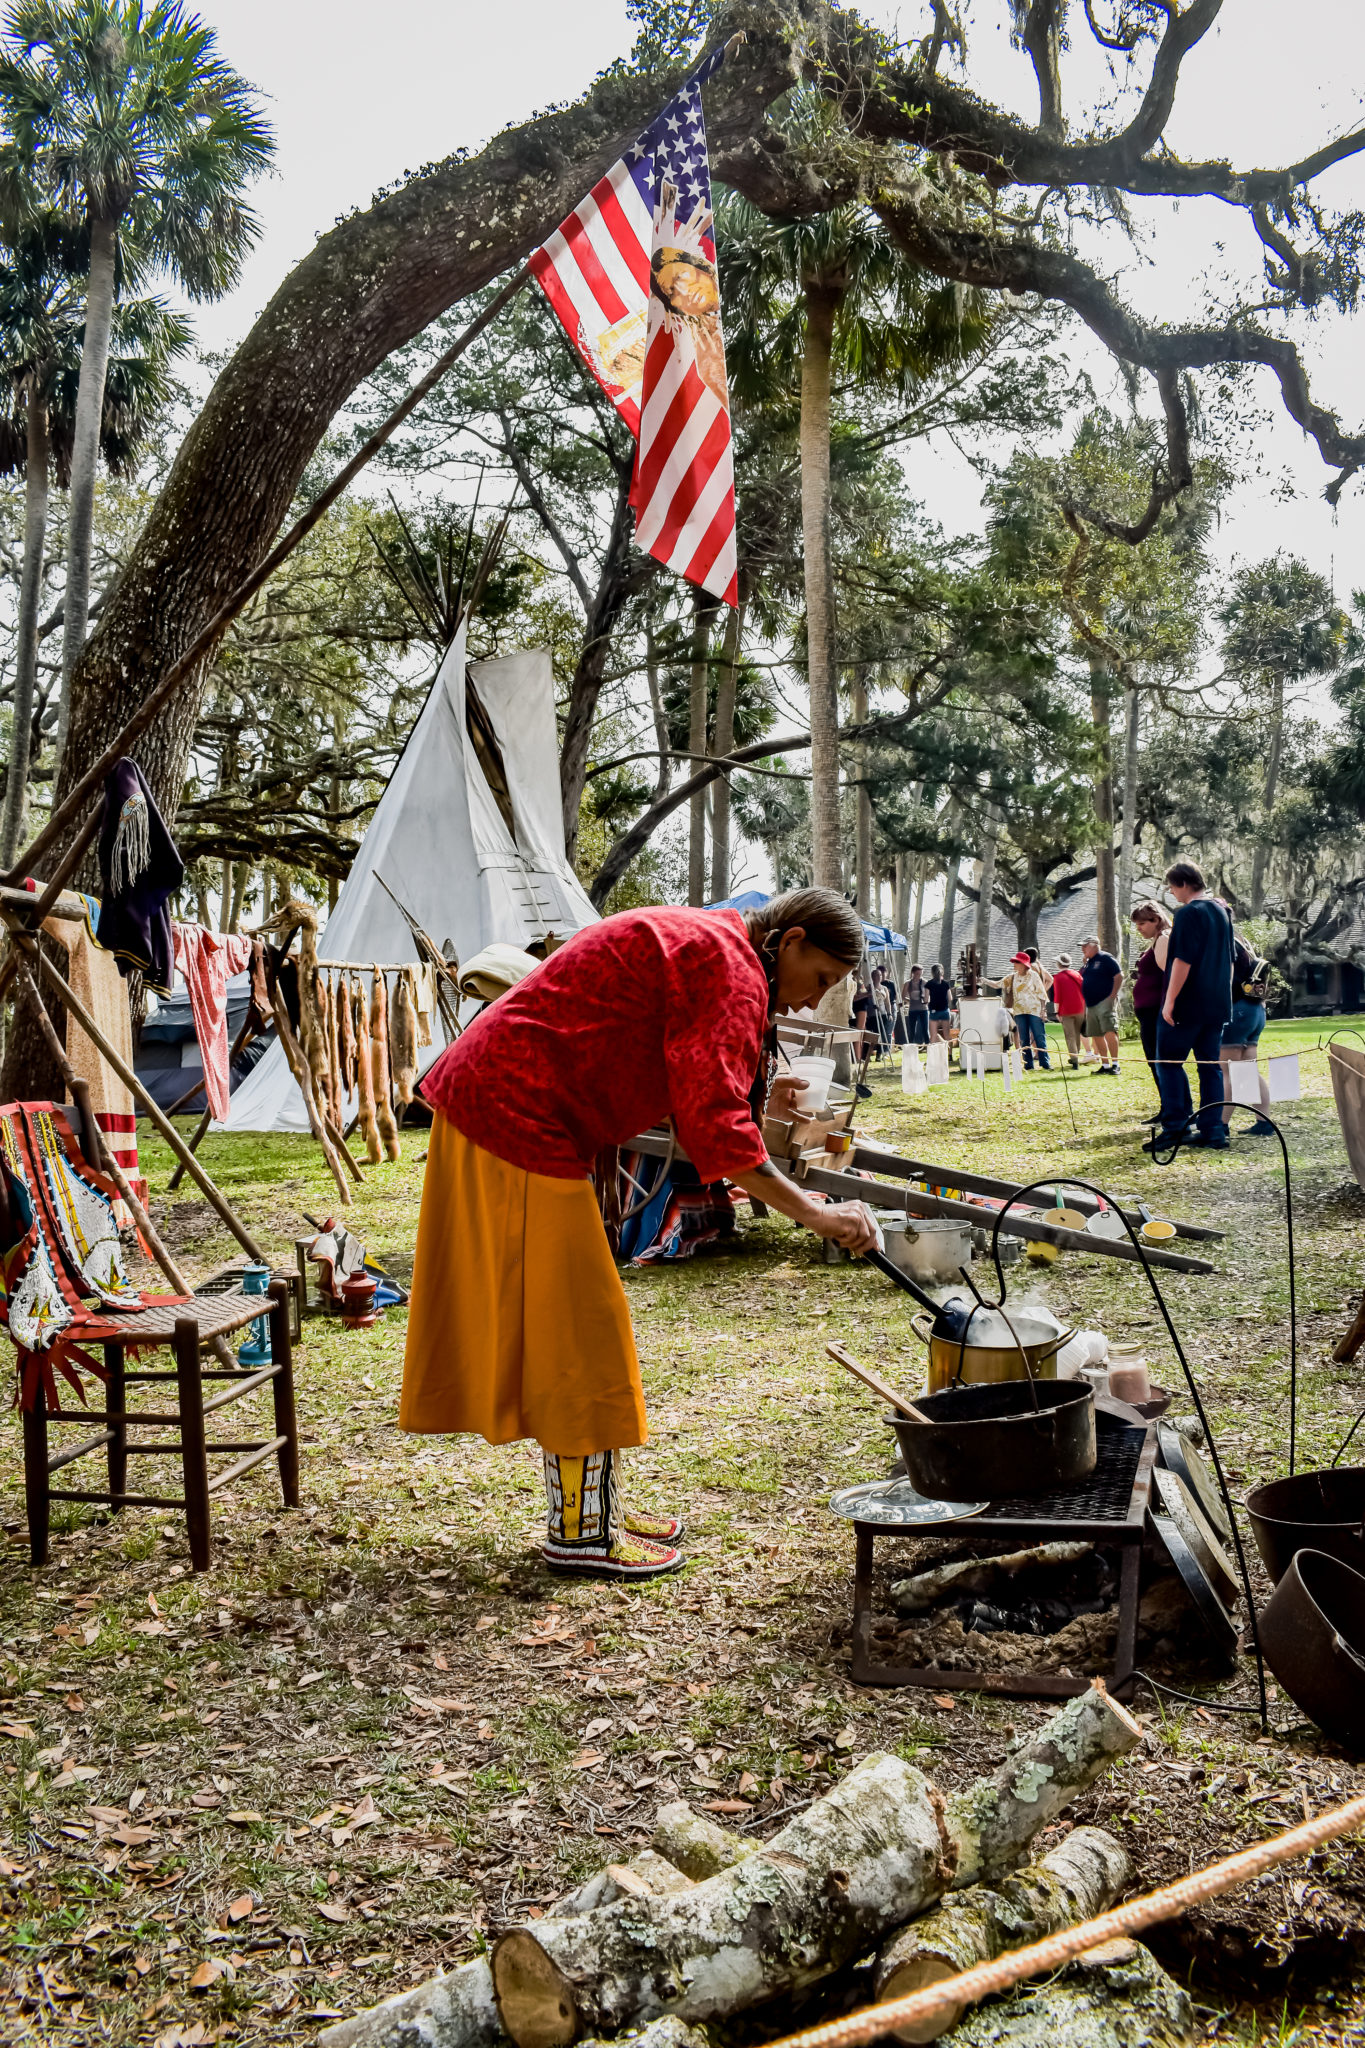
column 704, row 1925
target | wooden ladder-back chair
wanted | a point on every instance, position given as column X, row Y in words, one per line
column 65, row 1291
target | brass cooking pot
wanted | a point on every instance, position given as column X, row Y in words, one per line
column 978, row 1364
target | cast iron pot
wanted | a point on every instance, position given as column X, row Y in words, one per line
column 1312, row 1511
column 992, row 1441
column 1313, row 1639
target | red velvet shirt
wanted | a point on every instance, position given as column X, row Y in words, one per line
column 649, row 1014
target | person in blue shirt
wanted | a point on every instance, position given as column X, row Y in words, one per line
column 1196, row 1005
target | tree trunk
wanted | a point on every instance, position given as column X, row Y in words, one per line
column 985, row 896
column 240, row 886
column 614, row 585
column 822, row 304
column 1132, row 737
column 699, row 1847
column 1115, row 1996
column 704, row 609
column 85, row 455
column 726, row 688
column 1107, row 921
column 921, row 878
column 225, row 896
column 656, row 706
column 1081, row 1877
column 948, row 919
column 1261, row 858
column 863, row 802
column 878, row 1849
column 36, row 486
column 900, row 915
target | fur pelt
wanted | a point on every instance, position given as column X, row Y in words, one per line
column 327, row 1010
column 379, row 1063
column 403, row 1036
column 374, row 1151
column 302, row 918
column 345, row 1035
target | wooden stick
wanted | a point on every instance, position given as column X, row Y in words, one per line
column 75, row 1008
column 298, row 1067
column 873, row 2022
column 879, row 1387
column 180, row 669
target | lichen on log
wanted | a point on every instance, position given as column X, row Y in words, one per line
column 879, row 1848
column 647, row 1875
column 1081, row 1877
column 1116, row 1996
column 697, row 1846
column 658, row 2034
column 993, row 1821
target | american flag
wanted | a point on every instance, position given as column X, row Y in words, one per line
column 632, row 275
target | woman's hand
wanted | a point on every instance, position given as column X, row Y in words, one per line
column 784, row 1097
column 850, row 1224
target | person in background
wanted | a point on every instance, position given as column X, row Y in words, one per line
column 1196, row 1005
column 1101, row 980
column 865, row 1015
column 940, row 994
column 1030, row 991
column 915, row 999
column 1242, row 1032
column 1153, row 927
column 1069, row 998
column 883, row 995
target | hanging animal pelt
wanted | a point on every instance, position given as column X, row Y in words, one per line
column 301, row 918
column 374, row 1151
column 346, row 1034
column 328, row 1010
column 403, row 1036
column 379, row 1062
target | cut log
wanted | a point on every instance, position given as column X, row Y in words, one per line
column 1081, row 1877
column 875, row 1851
column 658, row 2034
column 697, row 1846
column 917, row 1594
column 648, row 1875
column 992, row 1823
column 457, row 2011
column 1115, row 1996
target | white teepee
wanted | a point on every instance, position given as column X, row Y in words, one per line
column 441, row 842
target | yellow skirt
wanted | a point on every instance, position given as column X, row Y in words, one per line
column 519, row 1325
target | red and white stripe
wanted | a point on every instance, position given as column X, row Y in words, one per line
column 594, row 270
column 684, row 491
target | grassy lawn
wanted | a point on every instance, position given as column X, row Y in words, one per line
column 376, row 1731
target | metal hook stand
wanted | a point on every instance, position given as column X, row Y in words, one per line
column 1090, row 1187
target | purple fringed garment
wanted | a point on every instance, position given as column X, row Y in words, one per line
column 141, row 869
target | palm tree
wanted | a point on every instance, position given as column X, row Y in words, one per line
column 42, row 269
column 828, row 305
column 128, row 121
column 1282, row 626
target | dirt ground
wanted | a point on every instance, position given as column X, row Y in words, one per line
column 376, row 1731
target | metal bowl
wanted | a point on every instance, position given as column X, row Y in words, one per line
column 1313, row 1639
column 1312, row 1511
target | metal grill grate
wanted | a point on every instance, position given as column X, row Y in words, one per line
column 1103, row 1497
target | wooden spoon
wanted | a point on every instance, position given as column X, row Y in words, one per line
column 878, row 1387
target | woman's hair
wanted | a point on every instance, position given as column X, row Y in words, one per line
column 1151, row 913
column 827, row 920
column 936, row 969
column 917, row 969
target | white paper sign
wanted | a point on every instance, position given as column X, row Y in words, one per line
column 1245, row 1077
column 1283, row 1075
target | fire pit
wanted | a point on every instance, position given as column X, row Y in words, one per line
column 1108, row 1509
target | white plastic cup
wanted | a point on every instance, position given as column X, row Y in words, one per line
column 816, row 1073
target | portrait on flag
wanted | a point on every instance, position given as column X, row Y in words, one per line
column 632, row 276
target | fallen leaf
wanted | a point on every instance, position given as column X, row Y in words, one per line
column 208, row 1971
column 73, row 1703
column 309, row 1678
column 243, row 1818
column 585, row 1759
column 748, row 1782
column 239, row 1908
column 90, row 1633
column 946, row 1701
column 112, row 1814
column 725, row 1806
column 137, row 1799
column 151, row 1602
column 366, row 1814
column 207, row 1799
column 17, row 1731
column 338, row 1915
column 846, row 1737
column 595, row 1728
column 486, row 1621
column 133, row 1838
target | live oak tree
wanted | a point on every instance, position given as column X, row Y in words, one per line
column 975, row 195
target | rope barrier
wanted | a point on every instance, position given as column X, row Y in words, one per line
column 987, row 1979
